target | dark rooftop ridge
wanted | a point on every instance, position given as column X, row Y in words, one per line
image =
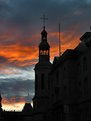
column 85, row 36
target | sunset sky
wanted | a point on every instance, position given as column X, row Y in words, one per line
column 20, row 28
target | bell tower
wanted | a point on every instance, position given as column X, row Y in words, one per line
column 42, row 70
column 44, row 47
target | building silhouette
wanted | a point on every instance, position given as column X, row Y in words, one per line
column 42, row 70
column 62, row 89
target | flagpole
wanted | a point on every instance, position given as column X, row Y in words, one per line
column 59, row 42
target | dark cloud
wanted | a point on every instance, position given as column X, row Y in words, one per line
column 14, row 88
column 4, row 10
column 3, row 60
column 28, row 12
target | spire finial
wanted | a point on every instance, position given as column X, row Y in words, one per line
column 44, row 19
column 43, row 27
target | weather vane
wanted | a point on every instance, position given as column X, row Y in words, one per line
column 44, row 19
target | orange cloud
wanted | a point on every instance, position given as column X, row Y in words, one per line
column 19, row 54
column 24, row 55
column 67, row 41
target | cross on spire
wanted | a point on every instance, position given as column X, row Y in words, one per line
column 44, row 19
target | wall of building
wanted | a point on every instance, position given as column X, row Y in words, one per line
column 70, row 85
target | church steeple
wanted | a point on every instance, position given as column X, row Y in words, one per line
column 44, row 34
column 44, row 47
column 42, row 70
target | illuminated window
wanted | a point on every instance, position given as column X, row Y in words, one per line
column 41, row 52
column 44, row 52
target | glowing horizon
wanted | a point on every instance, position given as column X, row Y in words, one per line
column 12, row 105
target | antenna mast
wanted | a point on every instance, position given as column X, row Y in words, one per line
column 59, row 42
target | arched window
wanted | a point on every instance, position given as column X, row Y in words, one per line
column 41, row 52
column 42, row 81
column 44, row 52
column 57, row 77
column 84, row 64
column 36, row 82
column 85, row 86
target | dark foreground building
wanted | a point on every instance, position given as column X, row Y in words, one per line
column 25, row 115
column 70, row 83
column 62, row 89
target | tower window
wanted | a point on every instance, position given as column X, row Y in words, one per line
column 36, row 82
column 85, row 86
column 44, row 52
column 57, row 77
column 42, row 81
column 41, row 52
column 48, row 84
column 84, row 64
column 57, row 91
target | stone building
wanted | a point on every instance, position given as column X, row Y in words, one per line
column 70, row 83
column 63, row 89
